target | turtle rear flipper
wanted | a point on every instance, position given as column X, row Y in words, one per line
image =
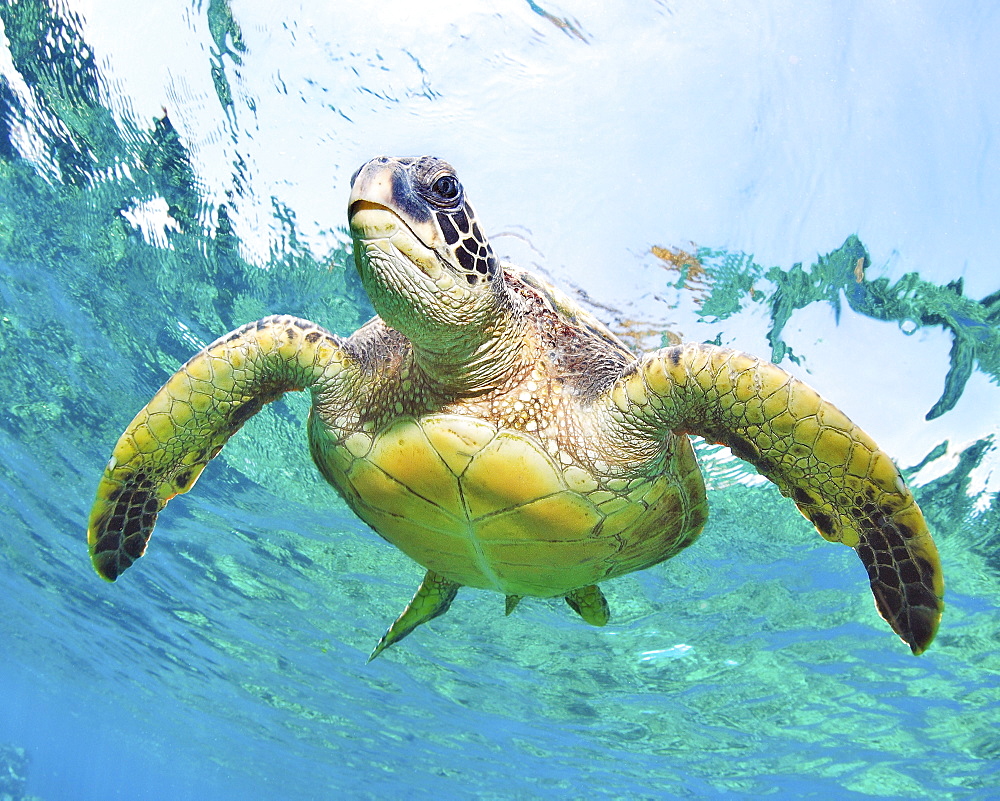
column 432, row 598
column 171, row 440
column 590, row 604
column 841, row 481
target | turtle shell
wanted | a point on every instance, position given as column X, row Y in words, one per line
column 488, row 507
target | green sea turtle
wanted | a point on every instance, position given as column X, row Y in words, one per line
column 503, row 437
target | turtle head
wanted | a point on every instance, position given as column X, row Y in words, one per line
column 422, row 256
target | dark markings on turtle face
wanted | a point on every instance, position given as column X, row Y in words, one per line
column 675, row 356
column 313, row 336
column 477, row 257
column 303, row 324
column 482, row 265
column 406, row 199
column 182, row 479
column 466, row 259
column 471, row 248
column 451, row 236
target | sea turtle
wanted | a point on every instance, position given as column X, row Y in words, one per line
column 503, row 437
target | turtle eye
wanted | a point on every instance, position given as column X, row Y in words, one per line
column 446, row 188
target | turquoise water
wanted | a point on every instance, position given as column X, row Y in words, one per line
column 819, row 188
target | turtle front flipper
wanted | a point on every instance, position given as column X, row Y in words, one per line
column 432, row 598
column 838, row 477
column 169, row 442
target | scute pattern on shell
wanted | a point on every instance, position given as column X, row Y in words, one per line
column 441, row 488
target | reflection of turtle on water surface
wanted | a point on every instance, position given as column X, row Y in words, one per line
column 502, row 437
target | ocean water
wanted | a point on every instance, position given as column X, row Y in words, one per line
column 820, row 186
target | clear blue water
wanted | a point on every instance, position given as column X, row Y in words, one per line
column 774, row 148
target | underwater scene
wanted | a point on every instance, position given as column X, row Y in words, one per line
column 818, row 185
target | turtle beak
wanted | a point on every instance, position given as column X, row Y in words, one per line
column 386, row 214
column 382, row 202
column 369, row 209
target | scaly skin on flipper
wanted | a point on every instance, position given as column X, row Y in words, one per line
column 432, row 598
column 169, row 442
column 838, row 477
